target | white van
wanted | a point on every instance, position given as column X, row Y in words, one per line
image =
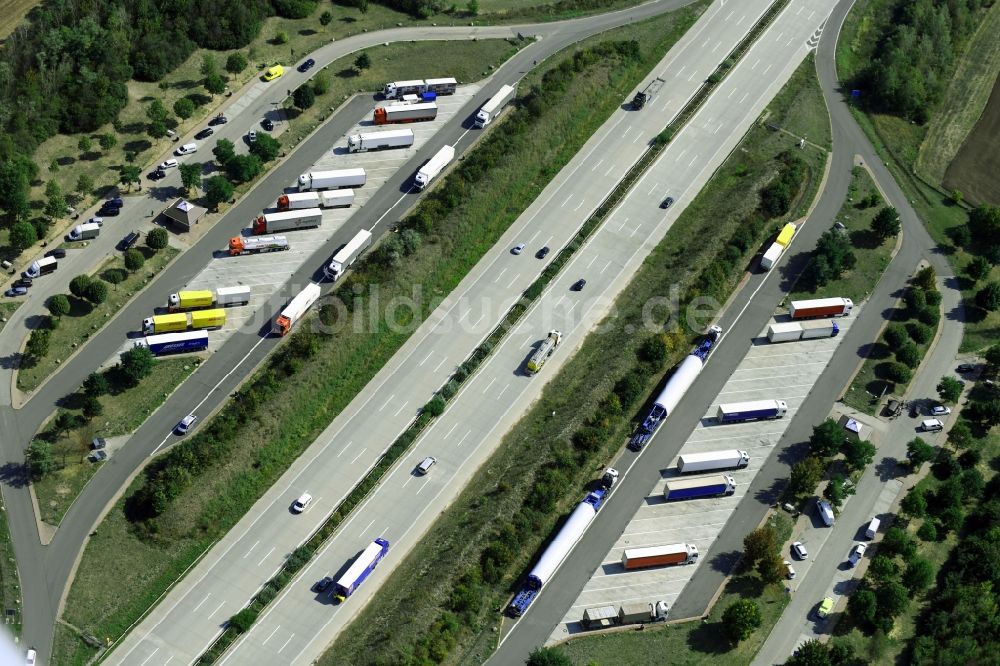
column 825, row 510
column 872, row 528
column 931, row 425
column 187, row 149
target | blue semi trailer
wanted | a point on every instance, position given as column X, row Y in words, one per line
column 175, row 343
column 361, row 569
column 705, row 486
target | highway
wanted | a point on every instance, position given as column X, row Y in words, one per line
column 744, row 319
column 223, row 583
column 45, row 570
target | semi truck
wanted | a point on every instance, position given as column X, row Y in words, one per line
column 771, row 257
column 676, row 387
column 348, row 254
column 296, row 309
column 175, row 343
column 322, row 180
column 405, row 113
column 644, row 96
column 712, row 461
column 706, row 486
column 365, row 141
column 600, row 617
column 544, row 351
column 821, row 307
column 327, row 199
column 84, row 231
column 637, row 612
column 181, row 321
column 360, row 569
column 41, row 267
column 287, row 220
column 396, row 89
column 655, row 556
column 568, row 536
column 206, row 298
column 804, row 330
column 434, row 166
column 239, row 245
column 754, row 410
column 489, row 111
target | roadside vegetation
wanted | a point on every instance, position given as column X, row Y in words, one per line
column 849, row 261
column 945, row 67
column 92, row 301
column 926, row 597
column 10, row 584
column 891, row 361
column 6, row 310
column 166, row 520
column 109, row 404
column 447, row 592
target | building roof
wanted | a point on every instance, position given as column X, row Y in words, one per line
column 185, row 213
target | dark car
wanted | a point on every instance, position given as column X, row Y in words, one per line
column 24, row 282
column 667, row 202
column 267, row 124
column 157, row 174
column 98, row 443
column 58, row 253
column 98, row 456
column 307, row 65
column 967, row 367
column 130, row 240
column 544, row 252
column 205, row 133
column 323, row 584
column 218, row 120
column 116, row 202
column 16, row 291
column 579, row 285
column 109, row 211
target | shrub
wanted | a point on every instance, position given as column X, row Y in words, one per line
column 920, row 333
column 914, row 504
column 78, row 285
column 928, row 532
column 895, row 335
column 909, row 355
column 304, row 97
column 97, row 292
column 96, row 384
column 929, row 315
column 740, row 619
column 157, row 239
column 133, row 259
column 435, row 407
column 58, row 305
column 236, row 63
column 136, row 364
column 896, row 372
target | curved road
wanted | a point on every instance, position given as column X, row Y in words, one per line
column 45, row 570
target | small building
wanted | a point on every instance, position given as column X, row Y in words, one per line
column 184, row 213
column 854, row 429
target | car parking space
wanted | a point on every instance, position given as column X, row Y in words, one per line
column 779, row 371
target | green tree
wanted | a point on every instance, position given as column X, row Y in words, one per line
column 78, row 285
column 107, row 141
column 472, row 7
column 772, row 568
column 883, row 569
column 15, row 184
column 38, row 343
column 133, row 259
column 740, row 619
column 217, row 190
column 40, row 459
column 758, row 543
column 136, row 364
column 895, row 335
column 156, row 112
column 184, row 108
column 897, row 541
column 244, row 168
column 215, row 84
column 988, row 298
column 128, row 174
column 862, row 606
column 920, row 333
column 834, row 491
column 321, row 83
column 826, row 438
column 224, row 151
column 919, row 575
column 325, row 18
column 805, row 476
column 190, row 175
column 92, row 407
column 811, row 653
column 858, row 453
column 157, row 129
column 22, row 236
column 266, row 147
column 84, row 184
column 957, row 197
column 909, row 355
column 949, row 389
column 58, row 305
column 281, row 37
column 893, row 599
column 978, row 268
column 157, row 238
column 652, row 352
column 886, row 223
column 63, row 422
column 896, row 372
column 914, row 504
column 304, row 96
column 115, row 276
column 918, row 452
column 84, row 144
column 97, row 292
column 960, row 435
column 362, row 62
column 362, row 6
column 926, row 278
column 208, row 66
column 96, row 384
column 545, row 656
column 992, row 358
column 236, row 62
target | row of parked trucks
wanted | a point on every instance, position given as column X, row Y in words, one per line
column 603, row 617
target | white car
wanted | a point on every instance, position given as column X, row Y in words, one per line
column 800, row 550
column 518, row 249
column 99, row 221
column 302, row 503
column 252, row 136
column 856, row 554
column 169, row 164
column 30, row 657
column 185, row 424
column 187, row 149
column 790, row 570
column 940, row 410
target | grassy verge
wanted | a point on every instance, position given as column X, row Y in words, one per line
column 6, row 310
column 872, row 254
column 899, row 144
column 10, row 584
column 86, row 318
column 106, row 602
column 123, row 413
column 437, row 593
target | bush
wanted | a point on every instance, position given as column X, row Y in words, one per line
column 97, row 292
column 157, row 239
column 914, row 504
column 136, row 364
column 928, row 532
column 133, row 259
column 242, row 621
column 929, row 315
column 909, row 355
column 78, row 285
column 184, row 108
column 897, row 542
column 58, row 305
column 96, row 385
column 896, row 372
column 740, row 619
column 920, row 333
column 266, row 147
column 304, row 97
column 629, row 389
column 895, row 335
column 22, row 236
column 988, row 298
column 92, row 407
column 435, row 407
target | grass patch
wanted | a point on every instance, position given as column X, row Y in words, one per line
column 123, row 413
column 71, row 650
column 420, row 588
column 873, row 255
column 86, row 319
column 6, row 310
column 106, row 602
column 10, row 584
column 688, row 643
column 14, row 12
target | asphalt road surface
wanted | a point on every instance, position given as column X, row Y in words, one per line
column 754, row 304
column 44, row 571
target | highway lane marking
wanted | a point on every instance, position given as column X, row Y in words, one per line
column 422, row 486
column 440, row 363
column 270, row 635
column 169, row 659
column 716, row 47
column 599, row 162
column 396, row 413
column 513, row 280
column 200, row 603
column 637, row 137
column 489, row 385
column 592, row 260
column 502, row 391
column 678, row 158
column 716, row 130
column 692, row 76
column 367, row 527
column 620, row 227
column 627, row 130
column 451, row 431
column 286, row 643
column 634, row 230
column 653, row 188
column 359, row 455
column 755, row 369
column 568, row 199
column 150, row 656
column 781, row 34
column 693, row 160
column 389, row 209
column 754, row 66
column 346, row 446
column 463, row 438
column 386, row 403
column 610, row 169
column 217, row 608
column 530, row 339
column 730, row 14
column 731, row 91
column 581, row 200
column 429, row 354
column 258, row 564
column 497, row 279
column 767, row 69
column 251, row 549
column 606, row 267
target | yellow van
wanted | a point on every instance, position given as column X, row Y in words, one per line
column 273, row 72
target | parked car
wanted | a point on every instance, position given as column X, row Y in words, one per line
column 856, row 554
column 302, row 503
column 24, row 282
column 518, row 249
column 267, row 124
column 185, row 424
column 129, row 241
column 800, row 551
column 187, row 149
column 98, row 443
column 205, row 133
column 219, row 120
column 30, row 656
column 16, row 291
column 98, row 456
column 323, row 583
column 115, row 202
column 167, row 164
column 273, row 72
column 579, row 285
column 940, row 410
column 252, row 136
column 825, row 607
column 157, row 174
column 96, row 220
column 541, row 254
column 667, row 202
column 58, row 253
column 931, row 425
column 307, row 65
column 107, row 211
column 966, row 367
column 789, row 570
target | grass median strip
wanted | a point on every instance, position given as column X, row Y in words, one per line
column 290, row 402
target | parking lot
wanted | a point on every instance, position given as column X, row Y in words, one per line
column 781, row 371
